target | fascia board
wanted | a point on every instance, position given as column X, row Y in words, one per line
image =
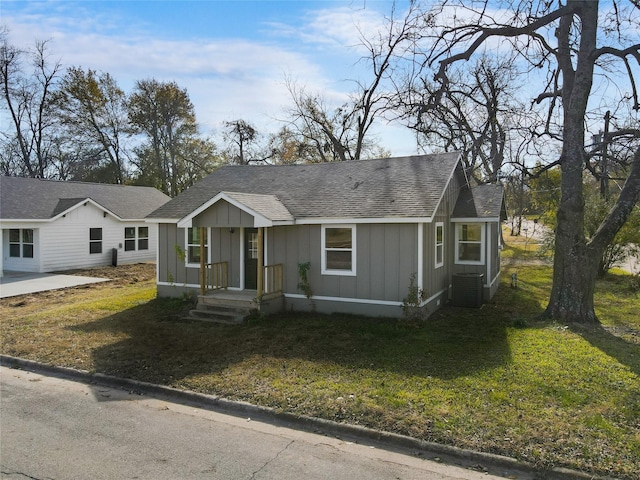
column 475, row 219
column 446, row 185
column 323, row 220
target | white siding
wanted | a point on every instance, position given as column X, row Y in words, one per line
column 64, row 243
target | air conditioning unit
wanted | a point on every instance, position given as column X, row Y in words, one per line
column 468, row 289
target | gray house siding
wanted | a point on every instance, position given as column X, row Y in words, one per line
column 378, row 276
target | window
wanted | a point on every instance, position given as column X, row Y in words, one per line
column 130, row 238
column 253, row 245
column 338, row 250
column 143, row 238
column 95, row 240
column 469, row 243
column 193, row 245
column 21, row 242
column 439, row 241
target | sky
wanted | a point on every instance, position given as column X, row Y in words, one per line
column 233, row 57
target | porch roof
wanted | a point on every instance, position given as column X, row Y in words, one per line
column 267, row 210
column 482, row 202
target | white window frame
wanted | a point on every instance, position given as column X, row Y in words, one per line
column 22, row 242
column 207, row 251
column 327, row 271
column 482, row 243
column 95, row 241
column 136, row 239
column 438, row 264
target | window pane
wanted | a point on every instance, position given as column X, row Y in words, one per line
column 194, row 254
column 14, row 235
column 95, row 247
column 469, row 252
column 439, row 254
column 143, row 232
column 129, row 232
column 27, row 235
column 338, row 238
column 439, row 234
column 471, row 232
column 337, row 260
column 143, row 244
column 95, row 234
column 27, row 250
column 14, row 250
column 129, row 245
column 193, row 236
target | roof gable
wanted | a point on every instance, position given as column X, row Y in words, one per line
column 481, row 202
column 37, row 199
column 402, row 187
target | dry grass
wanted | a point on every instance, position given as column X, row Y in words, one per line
column 494, row 379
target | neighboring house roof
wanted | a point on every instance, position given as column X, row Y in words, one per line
column 482, row 201
column 36, row 199
column 402, row 187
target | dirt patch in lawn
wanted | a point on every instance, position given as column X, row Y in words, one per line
column 118, row 276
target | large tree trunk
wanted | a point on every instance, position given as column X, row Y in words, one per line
column 575, row 263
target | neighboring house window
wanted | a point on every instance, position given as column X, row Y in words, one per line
column 143, row 238
column 193, row 245
column 439, row 259
column 469, row 243
column 130, row 238
column 21, row 242
column 95, row 240
column 339, row 250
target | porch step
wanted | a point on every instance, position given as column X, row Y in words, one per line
column 226, row 309
column 218, row 316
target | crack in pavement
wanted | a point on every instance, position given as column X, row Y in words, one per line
column 7, row 472
column 253, row 475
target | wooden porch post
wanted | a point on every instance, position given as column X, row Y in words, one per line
column 203, row 273
column 260, row 285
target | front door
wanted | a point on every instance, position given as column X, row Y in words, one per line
column 251, row 258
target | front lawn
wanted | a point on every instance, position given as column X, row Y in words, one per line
column 493, row 379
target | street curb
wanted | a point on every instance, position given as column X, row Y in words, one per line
column 490, row 463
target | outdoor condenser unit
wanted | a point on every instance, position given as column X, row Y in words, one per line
column 468, row 289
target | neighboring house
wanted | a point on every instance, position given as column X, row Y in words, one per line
column 365, row 228
column 49, row 225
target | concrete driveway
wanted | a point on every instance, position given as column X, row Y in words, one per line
column 21, row 283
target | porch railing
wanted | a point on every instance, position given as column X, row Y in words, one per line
column 217, row 276
column 272, row 280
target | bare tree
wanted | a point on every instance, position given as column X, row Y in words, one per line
column 575, row 41
column 342, row 133
column 475, row 116
column 27, row 97
column 243, row 142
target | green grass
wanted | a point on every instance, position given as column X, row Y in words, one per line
column 495, row 379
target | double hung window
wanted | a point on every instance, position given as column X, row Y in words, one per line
column 339, row 249
column 95, row 240
column 470, row 243
column 193, row 245
column 21, row 242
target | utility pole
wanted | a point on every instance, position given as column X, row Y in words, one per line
column 604, row 178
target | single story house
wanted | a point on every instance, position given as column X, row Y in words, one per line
column 336, row 237
column 49, row 225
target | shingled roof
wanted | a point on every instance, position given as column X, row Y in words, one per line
column 401, row 187
column 37, row 199
column 482, row 201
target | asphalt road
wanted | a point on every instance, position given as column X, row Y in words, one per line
column 52, row 428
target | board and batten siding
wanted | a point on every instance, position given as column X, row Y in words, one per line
column 386, row 257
